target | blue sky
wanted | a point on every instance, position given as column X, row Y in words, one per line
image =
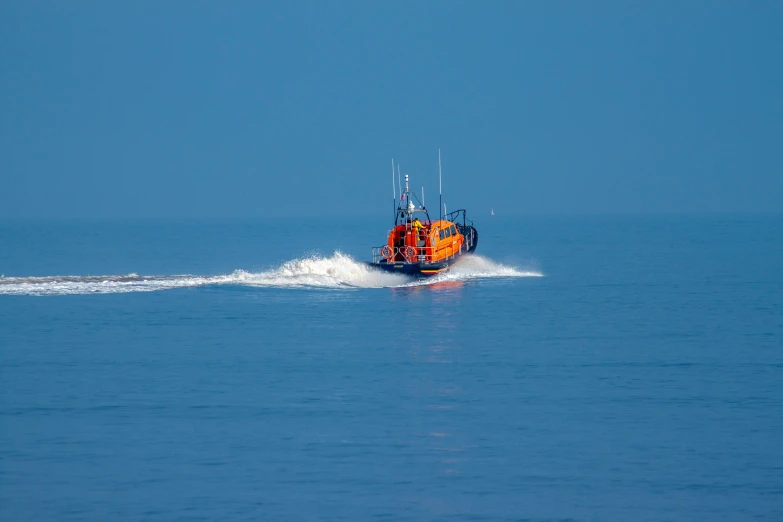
column 215, row 109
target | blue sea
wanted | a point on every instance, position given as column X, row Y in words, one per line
column 595, row 368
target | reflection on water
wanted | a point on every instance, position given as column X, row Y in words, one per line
column 436, row 288
column 443, row 285
column 434, row 314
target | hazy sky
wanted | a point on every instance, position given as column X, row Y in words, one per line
column 180, row 108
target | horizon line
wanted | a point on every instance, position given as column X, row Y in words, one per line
column 473, row 216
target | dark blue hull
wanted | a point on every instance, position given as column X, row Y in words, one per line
column 416, row 269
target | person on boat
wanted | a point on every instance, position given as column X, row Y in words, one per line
column 420, row 232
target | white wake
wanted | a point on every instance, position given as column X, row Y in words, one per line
column 332, row 272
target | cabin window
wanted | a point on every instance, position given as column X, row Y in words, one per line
column 448, row 232
column 453, row 231
column 442, row 235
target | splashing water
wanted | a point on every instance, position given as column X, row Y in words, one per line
column 336, row 271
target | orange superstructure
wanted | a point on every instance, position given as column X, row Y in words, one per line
column 434, row 241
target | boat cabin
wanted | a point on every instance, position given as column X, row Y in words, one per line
column 425, row 241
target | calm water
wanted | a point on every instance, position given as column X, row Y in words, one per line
column 586, row 369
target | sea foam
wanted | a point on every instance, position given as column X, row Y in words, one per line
column 338, row 271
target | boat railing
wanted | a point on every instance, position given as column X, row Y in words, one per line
column 421, row 254
column 456, row 216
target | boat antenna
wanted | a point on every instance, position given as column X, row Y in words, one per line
column 440, row 185
column 399, row 183
column 422, row 196
column 394, row 192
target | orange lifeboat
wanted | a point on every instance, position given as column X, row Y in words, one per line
column 420, row 246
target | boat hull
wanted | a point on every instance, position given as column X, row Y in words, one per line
column 416, row 269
